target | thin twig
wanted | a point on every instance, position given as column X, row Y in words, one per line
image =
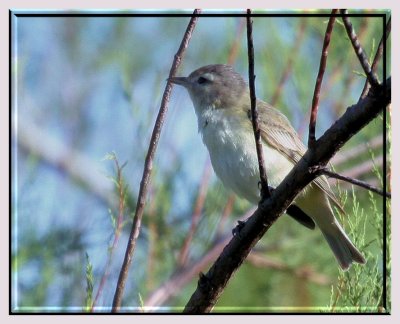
column 318, row 83
column 349, row 79
column 371, row 77
column 347, row 185
column 289, row 64
column 356, row 182
column 149, row 164
column 254, row 114
column 337, row 71
column 377, row 57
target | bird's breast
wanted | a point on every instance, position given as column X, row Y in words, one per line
column 231, row 145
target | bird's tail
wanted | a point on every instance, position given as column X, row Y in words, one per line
column 343, row 249
column 315, row 203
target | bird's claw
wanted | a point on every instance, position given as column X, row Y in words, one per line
column 238, row 228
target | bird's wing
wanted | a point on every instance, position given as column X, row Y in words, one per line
column 277, row 132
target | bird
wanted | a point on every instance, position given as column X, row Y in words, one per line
column 221, row 101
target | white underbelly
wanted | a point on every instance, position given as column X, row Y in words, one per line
column 234, row 159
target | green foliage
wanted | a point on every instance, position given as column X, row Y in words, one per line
column 388, row 259
column 358, row 289
column 141, row 303
column 361, row 288
column 89, row 284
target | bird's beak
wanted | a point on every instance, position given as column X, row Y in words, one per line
column 183, row 81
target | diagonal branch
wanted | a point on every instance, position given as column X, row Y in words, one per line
column 355, row 182
column 211, row 285
column 123, row 275
column 318, row 83
column 377, row 57
column 265, row 193
column 371, row 77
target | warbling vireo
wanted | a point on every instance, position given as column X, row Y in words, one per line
column 222, row 104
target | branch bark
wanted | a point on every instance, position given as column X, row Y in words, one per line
column 377, row 57
column 356, row 182
column 371, row 77
column 148, row 166
column 265, row 193
column 318, row 83
column 211, row 285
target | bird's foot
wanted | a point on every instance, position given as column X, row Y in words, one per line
column 238, row 228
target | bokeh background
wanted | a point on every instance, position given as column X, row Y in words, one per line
column 86, row 91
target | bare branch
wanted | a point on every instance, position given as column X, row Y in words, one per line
column 148, row 166
column 211, row 285
column 318, row 83
column 337, row 72
column 355, row 182
column 371, row 77
column 265, row 193
column 377, row 57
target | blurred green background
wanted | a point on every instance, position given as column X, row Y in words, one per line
column 85, row 87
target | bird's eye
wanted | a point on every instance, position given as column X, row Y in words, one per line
column 202, row 80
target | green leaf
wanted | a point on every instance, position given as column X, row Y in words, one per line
column 89, row 284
